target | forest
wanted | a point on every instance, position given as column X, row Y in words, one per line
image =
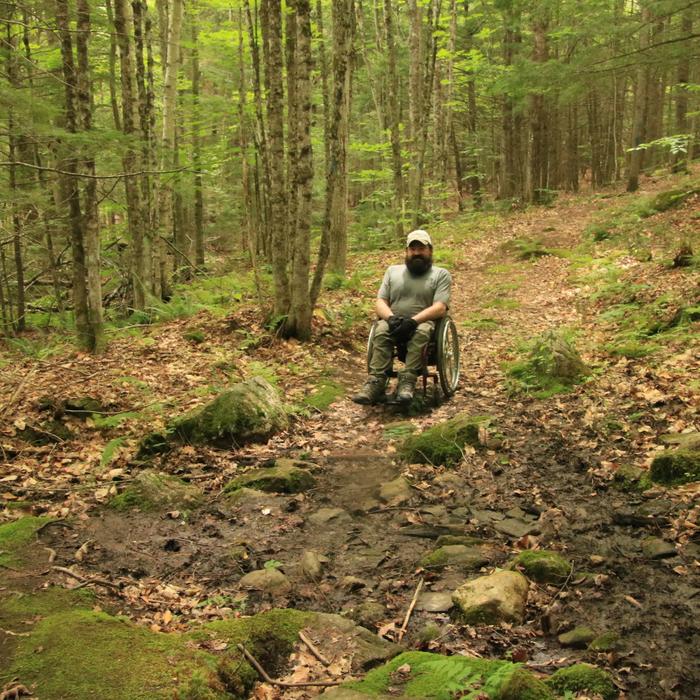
column 198, row 201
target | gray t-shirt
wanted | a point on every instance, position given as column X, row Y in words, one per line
column 407, row 295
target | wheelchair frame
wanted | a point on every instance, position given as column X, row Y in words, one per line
column 441, row 352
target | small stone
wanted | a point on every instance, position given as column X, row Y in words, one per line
column 369, row 614
column 656, row 548
column 438, row 601
column 597, row 560
column 282, row 478
column 311, row 566
column 542, row 566
column 267, row 580
column 578, row 638
column 516, row 528
column 325, row 516
column 609, row 641
column 353, row 583
column 485, row 516
column 455, row 555
column 396, row 491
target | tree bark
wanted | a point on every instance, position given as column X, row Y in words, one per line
column 197, row 144
column 640, row 101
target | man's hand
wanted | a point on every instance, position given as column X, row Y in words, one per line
column 394, row 323
column 405, row 331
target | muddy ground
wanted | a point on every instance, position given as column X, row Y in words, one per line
column 546, row 457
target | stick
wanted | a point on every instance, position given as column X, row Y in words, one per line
column 16, row 392
column 281, row 684
column 404, row 627
column 84, row 580
column 314, row 650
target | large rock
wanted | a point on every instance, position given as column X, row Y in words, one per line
column 396, row 491
column 248, row 412
column 583, row 677
column 674, row 467
column 444, row 443
column 287, row 476
column 500, row 597
column 153, row 491
column 267, row 580
column 458, row 555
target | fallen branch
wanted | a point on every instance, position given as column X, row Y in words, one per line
column 12, row 691
column 314, row 650
column 409, row 612
column 16, row 392
column 84, row 580
column 282, row 684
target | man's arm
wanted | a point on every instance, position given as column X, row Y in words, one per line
column 383, row 309
column 432, row 313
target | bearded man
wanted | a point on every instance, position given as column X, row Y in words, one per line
column 411, row 298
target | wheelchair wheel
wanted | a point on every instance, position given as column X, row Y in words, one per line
column 370, row 344
column 447, row 352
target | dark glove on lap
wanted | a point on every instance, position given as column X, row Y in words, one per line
column 405, row 331
column 394, row 324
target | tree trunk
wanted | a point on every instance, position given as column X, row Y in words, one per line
column 197, row 145
column 299, row 319
column 680, row 159
column 640, row 100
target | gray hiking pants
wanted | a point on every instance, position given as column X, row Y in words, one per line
column 383, row 348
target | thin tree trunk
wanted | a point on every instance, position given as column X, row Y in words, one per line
column 299, row 320
column 113, row 68
column 680, row 160
column 640, row 99
column 197, row 145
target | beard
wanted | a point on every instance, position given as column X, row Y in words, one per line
column 418, row 264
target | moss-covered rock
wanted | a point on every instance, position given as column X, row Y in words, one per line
column 287, row 476
column 417, row 674
column 674, row 467
column 608, row 641
column 16, row 536
column 46, row 433
column 627, row 477
column 458, row 555
column 444, row 443
column 583, row 677
column 578, row 638
column 248, row 412
column 671, row 199
column 488, row 600
column 65, row 650
column 152, row 491
column 267, row 580
column 542, row 566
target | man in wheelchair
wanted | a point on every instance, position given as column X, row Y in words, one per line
column 411, row 298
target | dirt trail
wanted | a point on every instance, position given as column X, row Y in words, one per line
column 544, row 463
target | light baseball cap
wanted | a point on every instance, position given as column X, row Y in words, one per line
column 420, row 236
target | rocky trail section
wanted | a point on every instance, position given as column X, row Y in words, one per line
column 345, row 523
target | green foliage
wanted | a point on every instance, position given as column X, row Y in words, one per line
column 583, row 677
column 16, row 537
column 324, row 395
column 272, row 564
column 37, row 349
column 110, row 450
column 195, row 336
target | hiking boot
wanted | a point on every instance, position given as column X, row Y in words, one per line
column 373, row 391
column 406, row 387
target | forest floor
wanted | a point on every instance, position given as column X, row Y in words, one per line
column 545, row 461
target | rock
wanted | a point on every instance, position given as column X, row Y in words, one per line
column 284, row 477
column 311, row 566
column 438, row 601
column 326, row 516
column 46, row 433
column 466, row 540
column 542, row 566
column 578, row 638
column 583, row 677
column 153, row 491
column 485, row 516
column 83, row 407
column 369, row 613
column 500, row 597
column 516, row 528
column 609, row 641
column 270, row 581
column 685, row 441
column 671, row 199
column 656, row 548
column 248, row 412
column 444, row 443
column 674, row 467
column 456, row 555
column 396, row 491
column 630, row 478
column 354, row 583
column 245, row 495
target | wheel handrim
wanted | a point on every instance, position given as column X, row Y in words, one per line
column 450, row 356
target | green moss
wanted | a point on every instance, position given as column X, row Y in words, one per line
column 324, row 395
column 284, row 477
column 152, row 491
column 16, row 536
column 671, row 199
column 71, row 652
column 482, row 323
column 583, row 677
column 542, row 566
column 195, row 336
column 609, row 641
column 445, row 677
column 459, row 555
column 444, row 443
column 675, row 467
column 632, row 479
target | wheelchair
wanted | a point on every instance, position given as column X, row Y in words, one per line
column 440, row 357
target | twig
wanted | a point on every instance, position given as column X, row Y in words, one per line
column 84, row 580
column 282, row 684
column 404, row 627
column 314, row 650
column 58, row 523
column 15, row 393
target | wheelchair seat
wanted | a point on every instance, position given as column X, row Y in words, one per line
column 441, row 353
